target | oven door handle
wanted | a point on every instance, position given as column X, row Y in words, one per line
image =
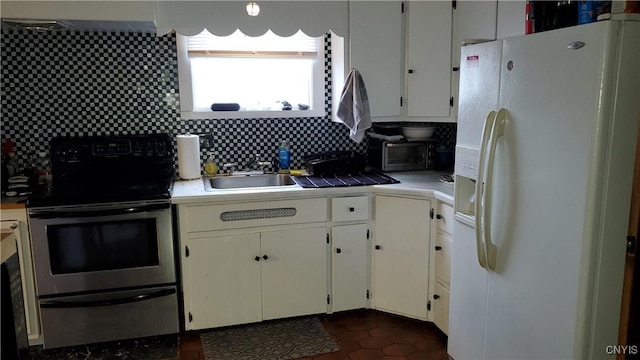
column 50, row 214
column 110, row 302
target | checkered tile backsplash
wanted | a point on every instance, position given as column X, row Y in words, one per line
column 91, row 83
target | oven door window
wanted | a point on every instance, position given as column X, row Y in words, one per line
column 76, row 248
column 405, row 155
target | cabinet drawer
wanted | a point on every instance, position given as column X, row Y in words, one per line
column 443, row 257
column 445, row 221
column 441, row 308
column 242, row 215
column 350, row 208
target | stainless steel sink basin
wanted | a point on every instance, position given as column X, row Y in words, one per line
column 247, row 181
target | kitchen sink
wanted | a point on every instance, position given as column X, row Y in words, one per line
column 247, row 181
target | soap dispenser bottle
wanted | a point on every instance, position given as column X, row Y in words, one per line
column 210, row 167
column 284, row 157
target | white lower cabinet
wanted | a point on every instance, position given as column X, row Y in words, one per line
column 224, row 282
column 15, row 220
column 441, row 307
column 401, row 256
column 244, row 278
column 294, row 272
column 349, row 262
column 248, row 262
column 442, row 258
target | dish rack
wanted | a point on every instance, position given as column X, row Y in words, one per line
column 335, row 163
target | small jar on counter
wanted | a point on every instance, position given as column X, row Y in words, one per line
column 43, row 169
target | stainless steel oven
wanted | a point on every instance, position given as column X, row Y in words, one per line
column 103, row 246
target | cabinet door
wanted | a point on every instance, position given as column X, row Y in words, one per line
column 349, row 259
column 443, row 257
column 376, row 51
column 294, row 272
column 472, row 20
column 19, row 226
column 441, row 308
column 401, row 255
column 429, row 59
column 222, row 281
column 511, row 16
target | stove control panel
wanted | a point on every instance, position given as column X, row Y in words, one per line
column 110, row 148
column 92, row 148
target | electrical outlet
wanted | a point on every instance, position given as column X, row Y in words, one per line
column 206, row 141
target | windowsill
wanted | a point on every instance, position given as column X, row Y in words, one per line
column 187, row 115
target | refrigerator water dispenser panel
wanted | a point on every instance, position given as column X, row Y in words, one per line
column 466, row 171
column 467, row 162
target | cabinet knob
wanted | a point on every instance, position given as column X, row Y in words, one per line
column 378, row 247
column 257, row 258
column 352, row 209
column 438, row 216
column 438, row 248
column 410, row 71
column 436, row 296
column 338, row 250
column 265, row 257
column 13, row 226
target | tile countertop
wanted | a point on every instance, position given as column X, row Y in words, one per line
column 412, row 183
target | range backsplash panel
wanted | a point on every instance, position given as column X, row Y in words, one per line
column 108, row 83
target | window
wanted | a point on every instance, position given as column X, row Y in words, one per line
column 267, row 76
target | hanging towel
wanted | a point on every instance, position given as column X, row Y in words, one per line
column 353, row 110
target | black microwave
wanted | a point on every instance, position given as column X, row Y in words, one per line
column 400, row 155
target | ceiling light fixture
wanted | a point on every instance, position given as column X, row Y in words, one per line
column 253, row 9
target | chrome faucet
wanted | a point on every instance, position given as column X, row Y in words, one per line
column 252, row 167
column 256, row 163
column 231, row 166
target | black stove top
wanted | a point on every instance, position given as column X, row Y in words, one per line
column 106, row 169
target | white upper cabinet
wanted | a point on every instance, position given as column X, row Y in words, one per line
column 375, row 32
column 472, row 21
column 88, row 15
column 428, row 65
column 511, row 15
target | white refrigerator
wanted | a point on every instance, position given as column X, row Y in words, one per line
column 547, row 130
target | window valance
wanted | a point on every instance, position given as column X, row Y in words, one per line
column 222, row 18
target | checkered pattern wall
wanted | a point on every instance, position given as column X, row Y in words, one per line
column 89, row 83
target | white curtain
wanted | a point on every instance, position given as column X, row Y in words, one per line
column 222, row 18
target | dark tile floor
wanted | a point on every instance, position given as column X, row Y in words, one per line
column 362, row 335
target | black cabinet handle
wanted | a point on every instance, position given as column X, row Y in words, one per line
column 438, row 248
column 352, row 209
column 265, row 257
column 438, row 216
column 378, row 247
column 257, row 258
column 436, row 296
column 338, row 251
column 410, row 71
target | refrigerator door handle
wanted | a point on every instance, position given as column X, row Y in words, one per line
column 478, row 211
column 497, row 131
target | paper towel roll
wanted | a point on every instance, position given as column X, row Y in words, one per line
column 189, row 156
